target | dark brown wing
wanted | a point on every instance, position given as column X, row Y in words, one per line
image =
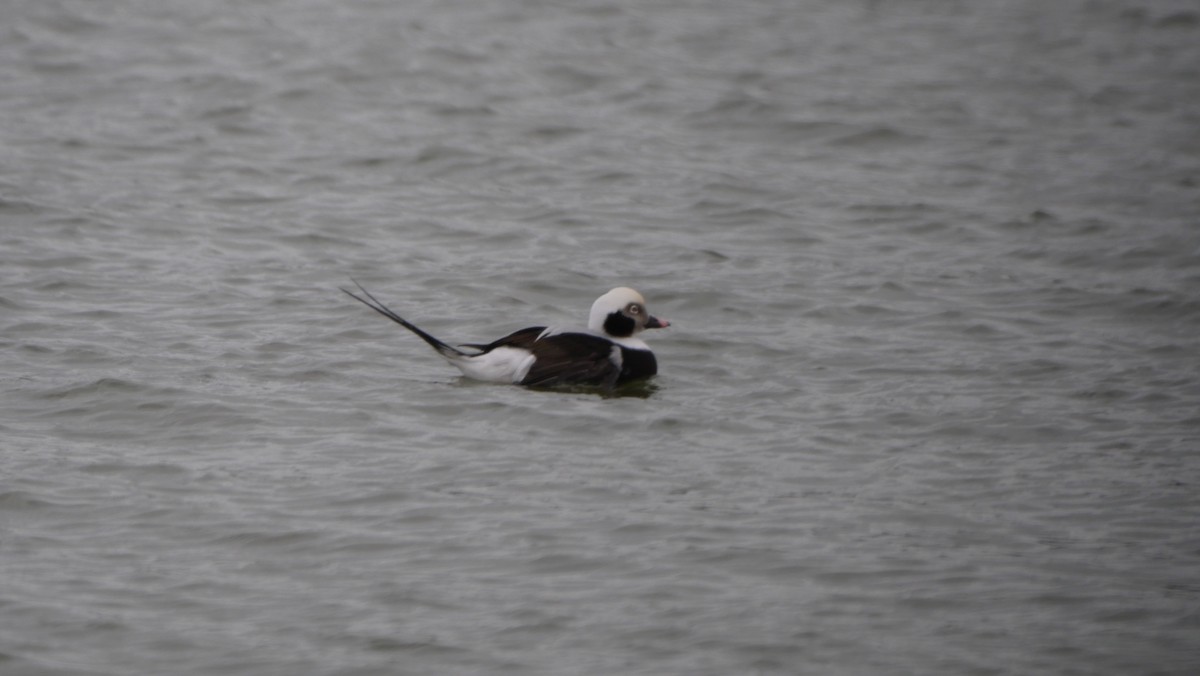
column 574, row 359
column 522, row 339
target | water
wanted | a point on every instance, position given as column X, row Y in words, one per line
column 929, row 404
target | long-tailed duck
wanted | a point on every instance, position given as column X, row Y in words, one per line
column 607, row 354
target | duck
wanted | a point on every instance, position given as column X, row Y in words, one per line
column 607, row 354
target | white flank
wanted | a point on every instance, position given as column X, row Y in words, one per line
column 501, row 365
column 616, row 357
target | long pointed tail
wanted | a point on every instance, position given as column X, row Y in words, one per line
column 442, row 348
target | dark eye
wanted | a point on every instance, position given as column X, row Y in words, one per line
column 635, row 309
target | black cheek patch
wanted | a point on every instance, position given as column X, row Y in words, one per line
column 618, row 325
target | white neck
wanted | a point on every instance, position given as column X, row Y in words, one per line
column 630, row 342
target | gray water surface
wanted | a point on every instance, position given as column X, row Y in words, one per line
column 930, row 402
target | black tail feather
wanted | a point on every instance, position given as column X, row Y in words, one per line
column 382, row 309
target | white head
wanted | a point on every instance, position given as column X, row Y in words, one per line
column 621, row 313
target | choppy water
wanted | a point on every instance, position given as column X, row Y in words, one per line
column 930, row 403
